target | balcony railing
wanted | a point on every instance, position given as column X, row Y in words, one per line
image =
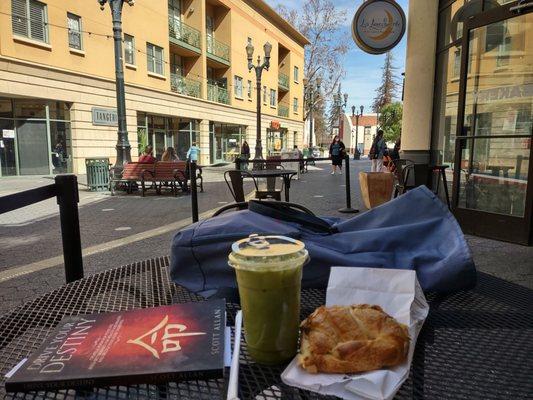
column 283, row 81
column 217, row 49
column 184, row 33
column 186, row 86
column 283, row 111
column 217, row 93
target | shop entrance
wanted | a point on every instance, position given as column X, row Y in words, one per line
column 276, row 141
column 226, row 142
column 493, row 189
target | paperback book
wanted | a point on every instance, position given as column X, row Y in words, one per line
column 153, row 345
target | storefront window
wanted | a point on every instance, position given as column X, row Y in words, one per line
column 226, row 141
column 35, row 137
column 276, row 141
column 445, row 106
column 162, row 132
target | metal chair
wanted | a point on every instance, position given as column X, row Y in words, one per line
column 410, row 175
column 235, row 181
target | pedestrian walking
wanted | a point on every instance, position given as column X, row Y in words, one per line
column 377, row 151
column 245, row 155
column 192, row 153
column 336, row 153
column 170, row 155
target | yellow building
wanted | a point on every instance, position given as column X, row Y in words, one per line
column 186, row 80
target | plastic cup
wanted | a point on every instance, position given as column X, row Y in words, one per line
column 269, row 276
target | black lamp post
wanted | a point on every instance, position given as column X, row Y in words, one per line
column 258, row 72
column 123, row 145
column 356, row 152
column 311, row 95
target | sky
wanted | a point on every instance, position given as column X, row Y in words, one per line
column 363, row 71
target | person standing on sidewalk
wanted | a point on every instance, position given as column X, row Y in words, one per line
column 377, row 151
column 336, row 152
column 245, row 155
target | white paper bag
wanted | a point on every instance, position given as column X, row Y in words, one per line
column 399, row 294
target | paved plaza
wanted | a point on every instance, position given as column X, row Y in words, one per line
column 117, row 230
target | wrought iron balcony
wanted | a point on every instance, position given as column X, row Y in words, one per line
column 217, row 93
column 186, row 86
column 283, row 81
column 184, row 34
column 283, row 111
column 217, row 50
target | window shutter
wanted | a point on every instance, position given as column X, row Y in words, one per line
column 19, row 17
column 38, row 28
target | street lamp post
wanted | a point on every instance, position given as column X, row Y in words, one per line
column 311, row 94
column 258, row 72
column 338, row 102
column 356, row 152
column 123, row 145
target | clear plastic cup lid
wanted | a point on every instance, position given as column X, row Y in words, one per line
column 267, row 246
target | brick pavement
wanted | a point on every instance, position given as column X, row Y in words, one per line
column 319, row 191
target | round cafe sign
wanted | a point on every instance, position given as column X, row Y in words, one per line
column 378, row 26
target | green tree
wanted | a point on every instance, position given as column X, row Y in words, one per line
column 390, row 120
column 388, row 90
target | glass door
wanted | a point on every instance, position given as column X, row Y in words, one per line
column 493, row 193
column 32, row 142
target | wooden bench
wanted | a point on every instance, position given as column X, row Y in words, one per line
column 131, row 174
column 170, row 173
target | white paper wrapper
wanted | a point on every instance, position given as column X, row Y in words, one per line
column 400, row 295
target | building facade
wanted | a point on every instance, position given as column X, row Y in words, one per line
column 186, row 80
column 361, row 129
column 468, row 105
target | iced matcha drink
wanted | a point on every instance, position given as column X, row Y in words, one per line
column 269, row 276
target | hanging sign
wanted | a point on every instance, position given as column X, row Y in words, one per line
column 378, row 26
column 275, row 125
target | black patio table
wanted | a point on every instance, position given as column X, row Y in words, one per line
column 475, row 344
column 286, row 174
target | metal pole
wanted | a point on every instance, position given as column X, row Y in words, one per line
column 356, row 153
column 348, row 209
column 311, row 124
column 123, row 145
column 67, row 199
column 258, row 146
column 194, row 192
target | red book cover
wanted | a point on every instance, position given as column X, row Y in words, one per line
column 152, row 345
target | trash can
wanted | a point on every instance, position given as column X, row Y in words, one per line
column 97, row 173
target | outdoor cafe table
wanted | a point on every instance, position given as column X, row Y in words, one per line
column 475, row 344
column 286, row 174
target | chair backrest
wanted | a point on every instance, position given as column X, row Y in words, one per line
column 414, row 175
column 235, row 184
column 273, row 162
column 167, row 169
column 133, row 170
column 235, row 181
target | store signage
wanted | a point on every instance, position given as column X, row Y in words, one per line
column 275, row 125
column 8, row 134
column 504, row 92
column 105, row 116
column 378, row 26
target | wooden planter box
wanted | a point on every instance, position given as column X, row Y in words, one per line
column 376, row 187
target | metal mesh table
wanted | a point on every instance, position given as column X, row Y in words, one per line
column 476, row 344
